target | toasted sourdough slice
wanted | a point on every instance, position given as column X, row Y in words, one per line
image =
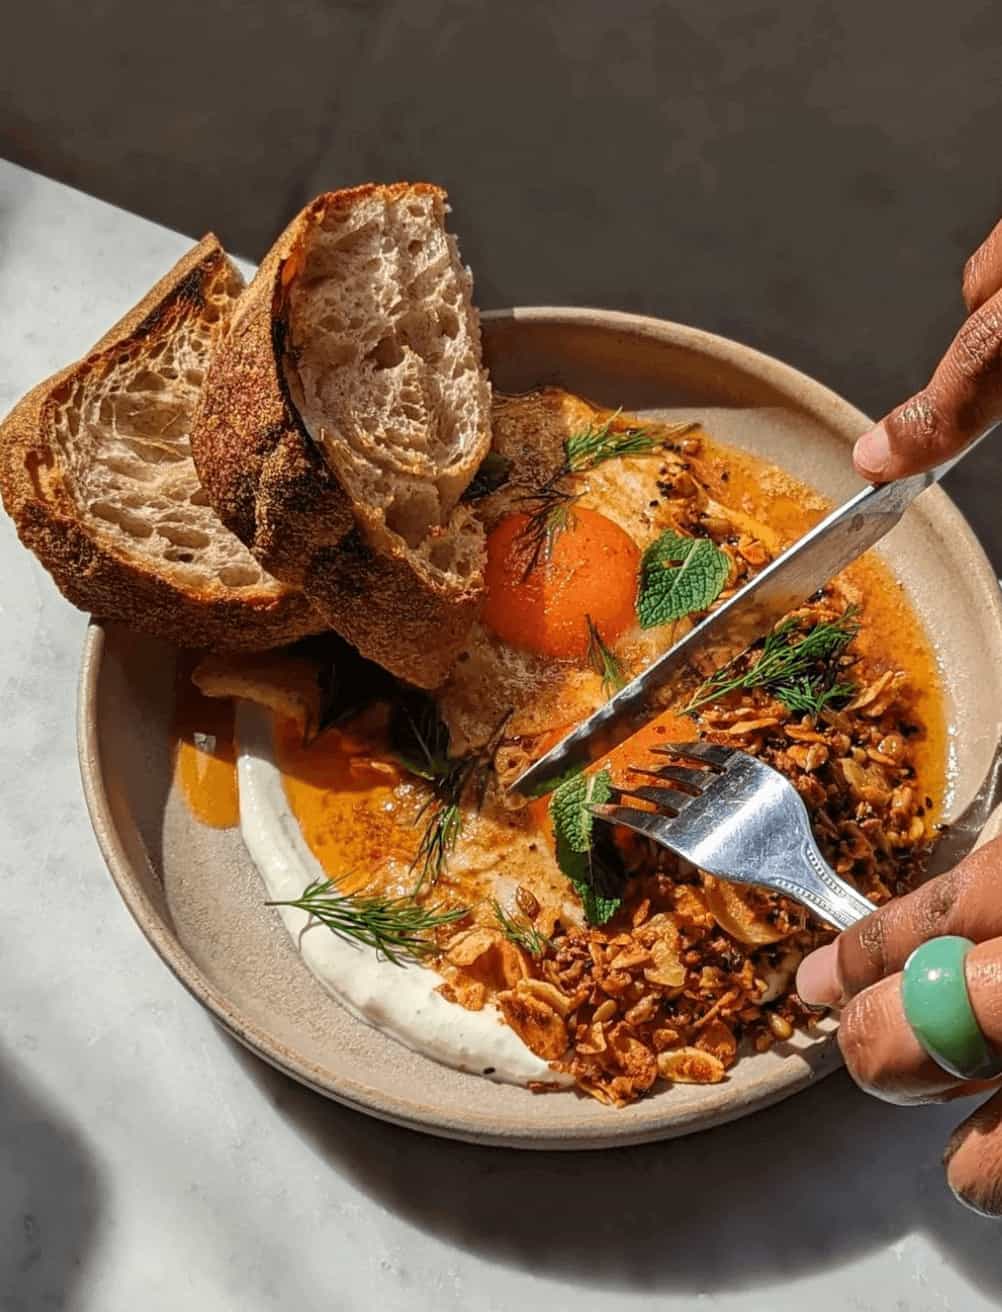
column 344, row 413
column 96, row 472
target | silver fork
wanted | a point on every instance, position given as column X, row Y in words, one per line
column 737, row 818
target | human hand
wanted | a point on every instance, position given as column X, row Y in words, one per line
column 964, row 395
column 860, row 972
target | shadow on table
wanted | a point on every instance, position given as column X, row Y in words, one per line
column 809, row 1185
column 50, row 1194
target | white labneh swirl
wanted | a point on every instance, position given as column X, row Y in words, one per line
column 402, row 1001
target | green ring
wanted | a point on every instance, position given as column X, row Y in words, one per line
column 938, row 1007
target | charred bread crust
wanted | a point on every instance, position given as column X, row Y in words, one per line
column 254, row 456
column 414, row 633
column 90, row 571
column 271, row 485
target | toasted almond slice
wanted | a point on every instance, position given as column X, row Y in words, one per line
column 635, row 1058
column 596, row 1042
column 665, row 1036
column 750, row 726
column 547, row 993
column 667, row 969
column 540, row 1028
column 630, row 958
column 871, row 692
column 512, row 964
column 470, row 945
column 641, row 912
column 800, row 734
column 691, row 907
column 469, row 993
column 734, row 914
column 718, row 1039
column 690, row 1066
column 599, row 1092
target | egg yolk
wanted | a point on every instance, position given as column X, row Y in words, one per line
column 590, row 572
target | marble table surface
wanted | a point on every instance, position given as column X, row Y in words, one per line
column 147, row 1161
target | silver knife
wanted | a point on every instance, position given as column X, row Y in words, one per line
column 812, row 561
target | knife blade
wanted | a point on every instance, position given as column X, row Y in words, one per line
column 794, row 576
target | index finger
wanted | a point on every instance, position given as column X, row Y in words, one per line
column 983, row 271
column 963, row 901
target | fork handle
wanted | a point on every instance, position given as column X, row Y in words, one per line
column 821, row 890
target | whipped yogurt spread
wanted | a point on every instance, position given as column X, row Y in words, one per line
column 402, row 1001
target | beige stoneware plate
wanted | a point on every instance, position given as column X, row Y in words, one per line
column 198, row 900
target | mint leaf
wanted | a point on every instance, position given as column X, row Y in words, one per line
column 572, row 821
column 597, row 908
column 594, row 882
column 679, row 576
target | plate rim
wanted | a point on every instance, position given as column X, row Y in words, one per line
column 825, row 1056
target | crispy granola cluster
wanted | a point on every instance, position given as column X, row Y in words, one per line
column 853, row 767
column 693, row 970
column 693, row 967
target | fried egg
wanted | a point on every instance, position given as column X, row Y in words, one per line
column 528, row 657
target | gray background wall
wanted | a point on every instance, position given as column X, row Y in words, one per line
column 807, row 177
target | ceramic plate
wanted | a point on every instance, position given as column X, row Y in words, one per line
column 199, row 901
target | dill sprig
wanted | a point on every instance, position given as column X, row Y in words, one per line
column 599, row 442
column 553, row 500
column 603, row 661
column 399, row 928
column 443, row 817
column 806, row 696
column 799, row 668
column 420, row 741
column 551, row 515
column 522, row 933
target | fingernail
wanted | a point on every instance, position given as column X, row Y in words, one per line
column 872, row 453
column 817, row 977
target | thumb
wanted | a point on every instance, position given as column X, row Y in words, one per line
column 973, row 1159
column 963, row 398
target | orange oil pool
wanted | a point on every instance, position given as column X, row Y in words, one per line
column 204, row 753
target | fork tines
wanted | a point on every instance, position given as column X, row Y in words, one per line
column 707, row 754
column 679, row 784
column 689, row 780
column 642, row 822
column 668, row 799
